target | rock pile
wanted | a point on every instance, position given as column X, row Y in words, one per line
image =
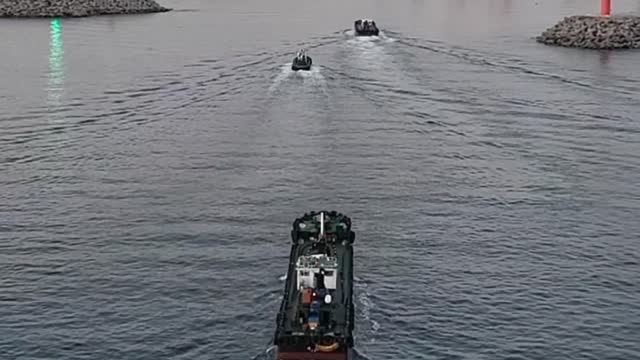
column 594, row 32
column 76, row 8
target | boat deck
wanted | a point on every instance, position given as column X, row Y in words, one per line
column 337, row 310
column 336, row 316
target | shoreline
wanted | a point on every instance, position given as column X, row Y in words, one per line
column 594, row 32
column 35, row 9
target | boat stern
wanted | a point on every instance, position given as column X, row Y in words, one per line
column 343, row 354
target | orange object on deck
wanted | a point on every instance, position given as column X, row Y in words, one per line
column 328, row 348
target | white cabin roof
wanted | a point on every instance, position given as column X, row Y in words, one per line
column 317, row 261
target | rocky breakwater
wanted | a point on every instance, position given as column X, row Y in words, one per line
column 594, row 32
column 76, row 8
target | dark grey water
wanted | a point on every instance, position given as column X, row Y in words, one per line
column 151, row 166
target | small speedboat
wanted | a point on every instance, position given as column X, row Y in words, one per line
column 302, row 61
column 365, row 27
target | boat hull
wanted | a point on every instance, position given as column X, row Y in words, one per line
column 360, row 30
column 301, row 66
column 306, row 355
column 316, row 316
column 367, row 33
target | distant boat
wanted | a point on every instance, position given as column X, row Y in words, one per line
column 302, row 61
column 365, row 27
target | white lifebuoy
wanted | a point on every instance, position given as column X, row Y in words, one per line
column 327, row 299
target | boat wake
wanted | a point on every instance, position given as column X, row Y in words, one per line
column 367, row 327
column 359, row 355
column 268, row 354
column 369, row 55
column 382, row 37
column 283, row 75
column 364, row 305
column 368, row 51
column 312, row 77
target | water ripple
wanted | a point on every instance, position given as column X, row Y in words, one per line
column 152, row 166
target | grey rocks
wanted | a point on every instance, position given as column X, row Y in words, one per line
column 594, row 32
column 76, row 8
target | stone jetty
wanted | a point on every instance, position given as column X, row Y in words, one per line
column 76, row 8
column 594, row 32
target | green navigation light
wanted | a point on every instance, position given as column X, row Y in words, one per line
column 56, row 63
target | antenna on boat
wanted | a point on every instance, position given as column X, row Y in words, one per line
column 321, row 224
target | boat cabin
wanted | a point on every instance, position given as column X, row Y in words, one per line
column 317, row 271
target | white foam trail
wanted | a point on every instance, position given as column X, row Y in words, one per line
column 313, row 76
column 283, row 277
column 267, row 355
column 369, row 52
column 382, row 37
column 364, row 305
column 284, row 73
column 386, row 38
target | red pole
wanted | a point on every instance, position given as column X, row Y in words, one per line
column 606, row 7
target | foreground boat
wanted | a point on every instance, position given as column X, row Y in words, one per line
column 316, row 316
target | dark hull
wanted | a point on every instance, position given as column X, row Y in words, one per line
column 370, row 30
column 298, row 65
column 367, row 32
column 333, row 338
column 305, row 355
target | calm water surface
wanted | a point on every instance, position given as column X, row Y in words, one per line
column 151, row 166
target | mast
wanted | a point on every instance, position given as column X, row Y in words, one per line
column 322, row 225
